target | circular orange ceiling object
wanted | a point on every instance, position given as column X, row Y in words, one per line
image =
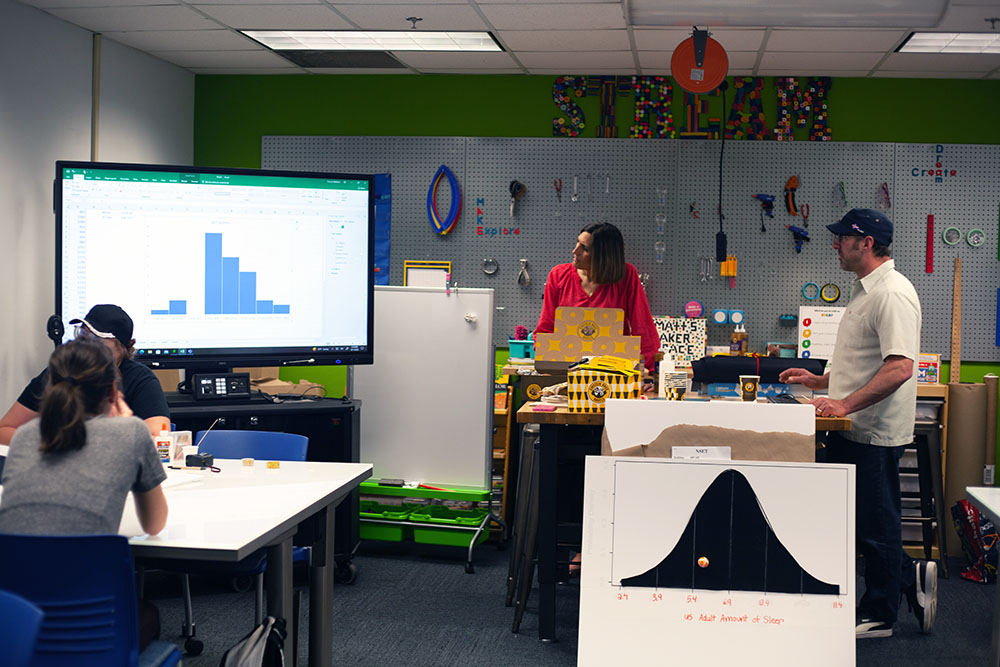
column 692, row 78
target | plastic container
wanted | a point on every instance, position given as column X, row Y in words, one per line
column 370, row 509
column 521, row 349
column 446, row 516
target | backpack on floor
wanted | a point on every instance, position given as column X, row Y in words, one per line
column 260, row 648
column 979, row 542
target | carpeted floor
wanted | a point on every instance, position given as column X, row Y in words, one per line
column 415, row 605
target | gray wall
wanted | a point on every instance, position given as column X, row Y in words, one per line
column 147, row 111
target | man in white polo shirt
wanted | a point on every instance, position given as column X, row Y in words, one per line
column 872, row 380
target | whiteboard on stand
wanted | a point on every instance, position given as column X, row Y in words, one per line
column 427, row 401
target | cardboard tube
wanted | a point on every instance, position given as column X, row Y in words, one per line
column 966, row 433
column 990, row 450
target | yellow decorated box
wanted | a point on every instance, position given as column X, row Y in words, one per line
column 589, row 386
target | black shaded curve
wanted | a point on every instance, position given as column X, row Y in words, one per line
column 729, row 529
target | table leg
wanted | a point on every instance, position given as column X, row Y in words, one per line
column 278, row 582
column 547, row 495
column 321, row 591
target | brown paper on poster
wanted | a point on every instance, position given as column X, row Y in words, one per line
column 966, row 434
column 990, row 448
column 745, row 445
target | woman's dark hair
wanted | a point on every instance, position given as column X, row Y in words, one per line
column 607, row 253
column 81, row 376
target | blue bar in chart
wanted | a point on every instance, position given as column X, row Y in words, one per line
column 230, row 285
column 228, row 291
column 213, row 274
column 248, row 292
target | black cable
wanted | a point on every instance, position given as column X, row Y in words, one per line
column 720, row 236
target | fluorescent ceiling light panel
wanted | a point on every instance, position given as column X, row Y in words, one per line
column 374, row 40
column 951, row 42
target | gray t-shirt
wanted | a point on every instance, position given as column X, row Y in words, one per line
column 79, row 492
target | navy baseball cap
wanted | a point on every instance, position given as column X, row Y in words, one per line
column 108, row 321
column 864, row 222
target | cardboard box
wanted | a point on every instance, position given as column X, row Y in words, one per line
column 531, row 385
column 275, row 387
column 589, row 386
column 929, row 368
column 169, row 378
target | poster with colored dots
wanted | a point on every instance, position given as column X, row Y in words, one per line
column 818, row 331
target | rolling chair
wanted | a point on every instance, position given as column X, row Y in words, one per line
column 221, row 444
column 85, row 589
column 19, row 630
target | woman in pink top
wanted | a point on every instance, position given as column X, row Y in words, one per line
column 599, row 277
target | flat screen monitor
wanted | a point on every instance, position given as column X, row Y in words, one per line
column 220, row 267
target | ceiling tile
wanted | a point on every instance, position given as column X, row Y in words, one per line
column 565, row 40
column 818, row 61
column 667, row 40
column 459, row 70
column 477, row 60
column 337, row 3
column 255, row 2
column 357, row 70
column 435, row 17
column 590, row 71
column 185, row 40
column 277, row 17
column 812, row 71
column 556, row 16
column 737, row 59
column 967, row 17
column 578, row 61
column 48, row 4
column 805, row 39
column 263, row 58
column 244, row 70
column 928, row 75
column 944, row 62
column 162, row 17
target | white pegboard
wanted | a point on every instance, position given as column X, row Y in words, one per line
column 771, row 274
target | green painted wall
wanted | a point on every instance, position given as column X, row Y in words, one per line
column 232, row 113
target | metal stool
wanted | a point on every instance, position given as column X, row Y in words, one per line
column 930, row 494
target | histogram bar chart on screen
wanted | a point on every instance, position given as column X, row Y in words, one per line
column 228, row 291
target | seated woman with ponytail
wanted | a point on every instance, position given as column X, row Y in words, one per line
column 69, row 471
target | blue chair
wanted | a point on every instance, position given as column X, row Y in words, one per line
column 20, row 621
column 221, row 444
column 85, row 588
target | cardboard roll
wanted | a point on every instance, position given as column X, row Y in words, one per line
column 695, row 78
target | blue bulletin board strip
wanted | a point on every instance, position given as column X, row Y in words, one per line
column 383, row 226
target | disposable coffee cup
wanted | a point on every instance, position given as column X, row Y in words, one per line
column 748, row 387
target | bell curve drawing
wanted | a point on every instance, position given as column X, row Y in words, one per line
column 729, row 545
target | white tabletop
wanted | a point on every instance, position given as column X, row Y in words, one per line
column 987, row 499
column 230, row 514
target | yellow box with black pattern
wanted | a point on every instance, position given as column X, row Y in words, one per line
column 588, row 389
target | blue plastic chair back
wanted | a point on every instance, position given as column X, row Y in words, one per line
column 267, row 445
column 85, row 588
column 20, row 621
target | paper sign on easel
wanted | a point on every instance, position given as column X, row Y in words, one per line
column 818, row 331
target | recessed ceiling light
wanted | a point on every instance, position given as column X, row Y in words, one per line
column 951, row 42
column 374, row 40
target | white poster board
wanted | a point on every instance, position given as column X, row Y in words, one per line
column 427, row 401
column 818, row 331
column 682, row 339
column 638, row 514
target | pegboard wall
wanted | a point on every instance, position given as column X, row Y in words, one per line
column 629, row 183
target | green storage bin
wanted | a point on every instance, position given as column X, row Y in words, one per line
column 370, row 509
column 425, row 532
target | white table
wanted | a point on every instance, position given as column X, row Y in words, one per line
column 228, row 515
column 987, row 499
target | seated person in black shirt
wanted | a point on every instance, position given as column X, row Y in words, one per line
column 139, row 387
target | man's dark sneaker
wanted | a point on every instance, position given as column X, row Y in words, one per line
column 869, row 628
column 921, row 594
